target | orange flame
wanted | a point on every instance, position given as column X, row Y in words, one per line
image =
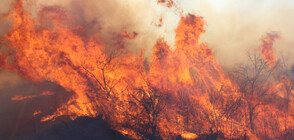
column 19, row 97
column 266, row 48
column 170, row 94
column 127, row 35
column 104, row 83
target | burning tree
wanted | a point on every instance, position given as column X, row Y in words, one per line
column 254, row 82
column 176, row 92
column 224, row 110
column 187, row 109
column 103, row 87
column 150, row 103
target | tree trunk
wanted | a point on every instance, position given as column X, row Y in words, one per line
column 251, row 120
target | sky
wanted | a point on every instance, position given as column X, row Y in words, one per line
column 233, row 26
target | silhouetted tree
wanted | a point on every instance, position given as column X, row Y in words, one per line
column 150, row 102
column 253, row 79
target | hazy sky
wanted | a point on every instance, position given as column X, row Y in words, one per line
column 237, row 25
column 233, row 26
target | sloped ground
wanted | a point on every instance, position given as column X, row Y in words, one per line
column 17, row 121
column 83, row 128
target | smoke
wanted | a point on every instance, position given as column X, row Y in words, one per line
column 234, row 27
column 10, row 79
column 112, row 18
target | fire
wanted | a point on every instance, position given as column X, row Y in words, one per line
column 37, row 112
column 130, row 36
column 267, row 48
column 167, row 3
column 177, row 92
column 19, row 97
column 189, row 136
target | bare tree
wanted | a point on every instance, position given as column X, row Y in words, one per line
column 253, row 80
column 150, row 103
column 222, row 107
column 105, row 66
column 285, row 73
column 102, row 92
column 186, row 108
